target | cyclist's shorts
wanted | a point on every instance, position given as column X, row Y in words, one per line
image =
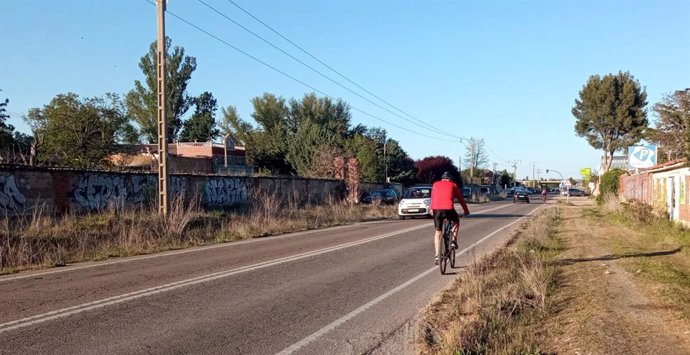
column 440, row 215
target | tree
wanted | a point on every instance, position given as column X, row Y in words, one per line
column 233, row 127
column 476, row 155
column 306, row 151
column 400, row 166
column 268, row 143
column 611, row 113
column 142, row 101
column 201, row 127
column 672, row 131
column 79, row 132
column 6, row 130
column 506, row 178
column 430, row 169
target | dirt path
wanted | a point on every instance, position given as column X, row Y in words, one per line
column 602, row 308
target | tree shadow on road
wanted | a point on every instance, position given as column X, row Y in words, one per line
column 617, row 256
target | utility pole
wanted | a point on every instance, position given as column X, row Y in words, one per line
column 495, row 182
column 163, row 198
column 514, row 164
column 472, row 160
column 385, row 162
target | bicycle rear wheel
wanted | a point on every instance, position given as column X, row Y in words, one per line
column 452, row 258
column 444, row 257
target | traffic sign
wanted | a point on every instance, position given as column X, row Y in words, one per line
column 641, row 156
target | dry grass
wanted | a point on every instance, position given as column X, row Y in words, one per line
column 489, row 309
column 38, row 239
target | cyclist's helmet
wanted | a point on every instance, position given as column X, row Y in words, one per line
column 446, row 175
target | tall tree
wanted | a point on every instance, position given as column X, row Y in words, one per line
column 400, row 166
column 6, row 130
column 672, row 130
column 476, row 155
column 233, row 127
column 611, row 113
column 306, row 151
column 269, row 142
column 142, row 102
column 201, row 127
column 79, row 132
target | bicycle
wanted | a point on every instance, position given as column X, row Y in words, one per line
column 447, row 251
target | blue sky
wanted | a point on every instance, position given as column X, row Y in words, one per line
column 505, row 71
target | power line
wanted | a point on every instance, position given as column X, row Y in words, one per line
column 294, row 78
column 336, row 71
column 425, row 125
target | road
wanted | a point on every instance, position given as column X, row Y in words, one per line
column 350, row 289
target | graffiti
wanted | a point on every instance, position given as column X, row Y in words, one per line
column 95, row 192
column 10, row 196
column 225, row 192
column 177, row 187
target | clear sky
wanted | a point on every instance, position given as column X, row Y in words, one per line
column 505, row 71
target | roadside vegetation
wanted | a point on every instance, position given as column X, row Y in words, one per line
column 39, row 240
column 493, row 306
column 578, row 278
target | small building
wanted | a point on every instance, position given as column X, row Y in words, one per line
column 186, row 157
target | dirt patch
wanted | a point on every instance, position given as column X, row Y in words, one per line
column 603, row 308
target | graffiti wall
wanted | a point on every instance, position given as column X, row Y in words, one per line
column 64, row 190
column 225, row 192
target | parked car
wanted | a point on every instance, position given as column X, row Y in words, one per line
column 521, row 195
column 466, row 193
column 577, row 192
column 384, row 196
column 415, row 202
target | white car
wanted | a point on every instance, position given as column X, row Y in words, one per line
column 415, row 202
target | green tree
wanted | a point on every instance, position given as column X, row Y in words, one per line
column 611, row 113
column 505, row 179
column 333, row 116
column 6, row 130
column 309, row 150
column 79, row 132
column 400, row 165
column 201, row 127
column 268, row 146
column 672, row 131
column 233, row 127
column 142, row 101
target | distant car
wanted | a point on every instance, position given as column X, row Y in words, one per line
column 415, row 202
column 466, row 192
column 521, row 195
column 384, row 196
column 485, row 190
column 576, row 192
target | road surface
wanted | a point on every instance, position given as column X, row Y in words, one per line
column 351, row 289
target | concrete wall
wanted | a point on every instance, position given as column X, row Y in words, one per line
column 65, row 190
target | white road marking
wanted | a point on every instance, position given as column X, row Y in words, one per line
column 40, row 318
column 185, row 251
column 319, row 333
column 64, row 312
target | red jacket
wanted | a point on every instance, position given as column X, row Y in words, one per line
column 442, row 194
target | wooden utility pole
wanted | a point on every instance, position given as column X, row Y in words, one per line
column 163, row 197
column 472, row 161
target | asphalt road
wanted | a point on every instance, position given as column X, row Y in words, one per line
column 351, row 289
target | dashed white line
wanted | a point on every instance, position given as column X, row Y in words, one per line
column 319, row 333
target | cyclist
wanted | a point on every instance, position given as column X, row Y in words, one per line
column 543, row 194
column 443, row 193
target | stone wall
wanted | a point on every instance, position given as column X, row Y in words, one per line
column 22, row 189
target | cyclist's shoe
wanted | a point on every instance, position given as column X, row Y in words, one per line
column 454, row 244
column 436, row 260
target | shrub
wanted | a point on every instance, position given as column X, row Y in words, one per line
column 610, row 184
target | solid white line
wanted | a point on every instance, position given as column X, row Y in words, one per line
column 319, row 333
column 40, row 318
column 185, row 251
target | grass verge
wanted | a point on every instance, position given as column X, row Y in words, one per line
column 491, row 308
column 39, row 240
column 655, row 249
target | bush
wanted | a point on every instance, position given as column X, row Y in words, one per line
column 609, row 184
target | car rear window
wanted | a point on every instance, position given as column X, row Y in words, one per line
column 414, row 192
